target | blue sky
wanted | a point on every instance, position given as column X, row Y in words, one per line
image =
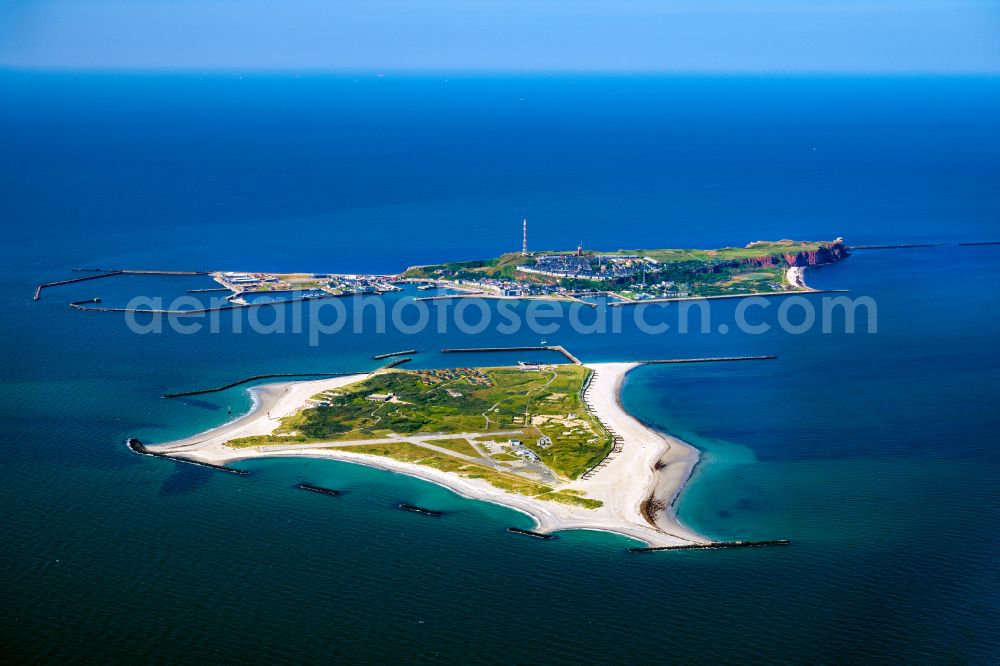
column 724, row 36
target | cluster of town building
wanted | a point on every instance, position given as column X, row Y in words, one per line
column 334, row 284
column 470, row 375
column 249, row 281
column 599, row 267
column 518, row 448
column 360, row 284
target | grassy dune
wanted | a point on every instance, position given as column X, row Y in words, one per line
column 533, row 403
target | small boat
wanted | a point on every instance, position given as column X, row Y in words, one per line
column 544, row 342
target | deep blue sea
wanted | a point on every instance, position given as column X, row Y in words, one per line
column 876, row 453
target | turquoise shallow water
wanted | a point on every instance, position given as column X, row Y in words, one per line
column 877, row 454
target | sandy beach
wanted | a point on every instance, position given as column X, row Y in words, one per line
column 638, row 485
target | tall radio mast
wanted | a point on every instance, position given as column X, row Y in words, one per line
column 524, row 242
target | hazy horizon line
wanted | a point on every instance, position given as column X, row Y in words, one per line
column 511, row 72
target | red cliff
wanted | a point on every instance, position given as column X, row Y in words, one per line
column 825, row 254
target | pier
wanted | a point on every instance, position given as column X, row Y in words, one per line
column 379, row 357
column 138, row 447
column 554, row 348
column 394, row 363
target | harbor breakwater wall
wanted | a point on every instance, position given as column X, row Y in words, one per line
column 254, row 378
column 138, row 447
column 714, row 545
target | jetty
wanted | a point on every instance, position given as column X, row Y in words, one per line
column 893, row 247
column 135, row 271
column 79, row 306
column 709, row 359
column 182, row 394
column 554, row 348
column 530, row 533
column 713, row 545
column 234, row 305
column 318, row 489
column 419, row 509
column 101, row 273
column 138, row 447
column 379, row 357
column 395, row 362
column 47, row 285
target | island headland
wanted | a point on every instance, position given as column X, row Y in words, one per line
column 551, row 441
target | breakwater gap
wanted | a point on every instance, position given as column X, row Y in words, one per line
column 712, row 545
column 109, row 273
column 138, row 447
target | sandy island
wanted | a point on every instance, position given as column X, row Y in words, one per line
column 638, row 485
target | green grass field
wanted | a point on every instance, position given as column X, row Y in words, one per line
column 531, row 402
column 457, row 445
column 406, row 452
column 701, row 272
